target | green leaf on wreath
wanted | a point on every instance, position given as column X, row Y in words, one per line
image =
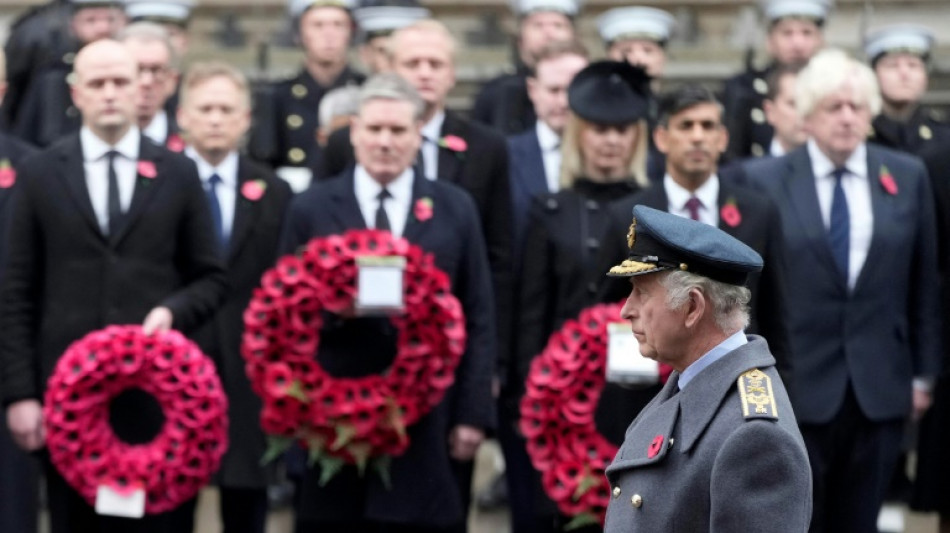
column 360, row 452
column 344, row 434
column 329, row 467
column 394, row 418
column 295, row 391
column 587, row 483
column 315, row 446
column 276, row 446
column 581, row 520
column 381, row 466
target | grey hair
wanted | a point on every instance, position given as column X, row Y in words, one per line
column 730, row 303
column 342, row 101
column 389, row 86
column 150, row 32
column 829, row 71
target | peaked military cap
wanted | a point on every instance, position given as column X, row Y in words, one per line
column 897, row 38
column 79, row 4
column 635, row 23
column 299, row 7
column 661, row 241
column 526, row 7
column 610, row 92
column 379, row 20
column 816, row 10
column 164, row 11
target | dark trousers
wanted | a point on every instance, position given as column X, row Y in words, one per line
column 243, row 510
column 19, row 487
column 852, row 460
column 464, row 473
column 520, row 476
column 69, row 513
column 363, row 527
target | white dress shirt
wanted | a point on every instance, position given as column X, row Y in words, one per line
column 226, row 191
column 431, row 133
column 550, row 143
column 96, row 166
column 857, row 191
column 707, row 193
column 776, row 149
column 157, row 129
column 397, row 207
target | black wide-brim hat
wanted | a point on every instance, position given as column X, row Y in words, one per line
column 610, row 92
column 662, row 241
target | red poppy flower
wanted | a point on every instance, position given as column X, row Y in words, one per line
column 146, row 169
column 7, row 174
column 423, row 209
column 175, row 143
column 454, row 143
column 253, row 190
column 887, row 181
column 730, row 214
column 655, row 446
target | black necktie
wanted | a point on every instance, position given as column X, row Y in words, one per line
column 382, row 220
column 839, row 231
column 115, row 206
column 217, row 220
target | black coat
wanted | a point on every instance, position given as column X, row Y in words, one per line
column 925, row 128
column 14, row 151
column 750, row 135
column 424, row 491
column 252, row 249
column 482, row 170
column 503, row 104
column 64, row 279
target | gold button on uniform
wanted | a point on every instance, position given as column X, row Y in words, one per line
column 616, row 492
column 299, row 91
column 757, row 150
column 926, row 133
column 296, row 155
column 760, row 86
column 294, row 121
column 758, row 116
column 636, row 501
column 69, row 57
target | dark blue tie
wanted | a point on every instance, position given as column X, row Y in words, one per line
column 840, row 231
column 217, row 220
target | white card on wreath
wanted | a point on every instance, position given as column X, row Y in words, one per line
column 127, row 504
column 379, row 284
column 625, row 363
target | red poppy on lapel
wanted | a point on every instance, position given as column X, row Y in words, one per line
column 730, row 213
column 147, row 169
column 423, row 209
column 7, row 174
column 454, row 143
column 887, row 181
column 655, row 447
column 253, row 190
column 175, row 143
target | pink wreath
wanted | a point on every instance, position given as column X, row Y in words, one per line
column 180, row 460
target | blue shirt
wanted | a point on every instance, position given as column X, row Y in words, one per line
column 736, row 340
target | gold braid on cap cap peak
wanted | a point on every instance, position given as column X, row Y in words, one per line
column 629, row 266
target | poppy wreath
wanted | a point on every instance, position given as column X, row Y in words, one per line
column 557, row 416
column 174, row 465
column 359, row 421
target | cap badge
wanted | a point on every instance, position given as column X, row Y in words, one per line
column 632, row 234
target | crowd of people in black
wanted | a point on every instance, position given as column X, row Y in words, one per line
column 829, row 167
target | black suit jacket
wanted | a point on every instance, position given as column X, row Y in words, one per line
column 13, row 151
column 252, row 249
column 64, row 279
column 482, row 170
column 503, row 104
column 877, row 336
column 424, row 490
column 760, row 228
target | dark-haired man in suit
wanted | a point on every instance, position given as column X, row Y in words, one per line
column 381, row 192
column 107, row 228
column 863, row 289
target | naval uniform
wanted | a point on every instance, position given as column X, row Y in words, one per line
column 47, row 113
column 750, row 134
column 925, row 127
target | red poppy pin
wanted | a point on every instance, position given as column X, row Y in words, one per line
column 423, row 209
column 7, row 174
column 655, row 447
column 147, row 169
column 730, row 213
column 454, row 143
column 175, row 143
column 887, row 181
column 253, row 190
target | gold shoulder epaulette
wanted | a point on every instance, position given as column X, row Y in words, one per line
column 755, row 390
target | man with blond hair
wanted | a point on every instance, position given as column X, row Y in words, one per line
column 861, row 254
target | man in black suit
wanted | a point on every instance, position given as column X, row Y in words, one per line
column 380, row 192
column 107, row 228
column 863, row 289
column 215, row 114
column 691, row 135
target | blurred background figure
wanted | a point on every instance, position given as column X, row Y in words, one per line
column 158, row 62
column 377, row 20
column 781, row 114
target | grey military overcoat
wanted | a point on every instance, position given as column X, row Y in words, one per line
column 694, row 461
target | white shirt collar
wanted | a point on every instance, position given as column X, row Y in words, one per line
column 547, row 138
column 433, row 129
column 94, row 148
column 822, row 167
column 677, row 195
column 367, row 189
column 776, row 149
column 227, row 170
column 157, row 129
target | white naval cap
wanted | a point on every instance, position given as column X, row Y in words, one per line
column 382, row 19
column 567, row 7
column 94, row 3
column 635, row 23
column 298, row 7
column 779, row 9
column 910, row 38
column 165, row 10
